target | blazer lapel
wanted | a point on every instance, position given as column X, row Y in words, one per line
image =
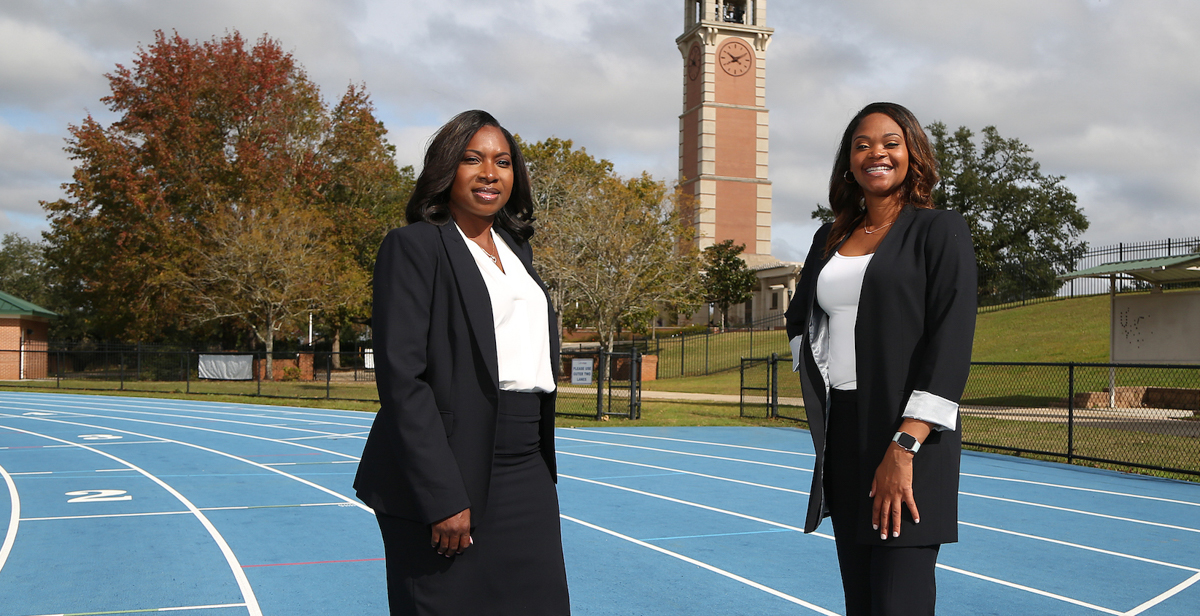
column 475, row 299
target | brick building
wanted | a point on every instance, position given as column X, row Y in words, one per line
column 24, row 338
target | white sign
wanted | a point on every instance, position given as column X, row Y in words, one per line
column 581, row 371
column 1156, row 328
column 369, row 359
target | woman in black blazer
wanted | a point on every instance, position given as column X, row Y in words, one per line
column 459, row 464
column 881, row 330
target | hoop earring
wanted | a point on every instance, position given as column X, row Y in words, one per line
column 848, row 176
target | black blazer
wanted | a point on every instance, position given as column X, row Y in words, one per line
column 429, row 453
column 915, row 327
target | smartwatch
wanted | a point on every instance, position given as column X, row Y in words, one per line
column 907, row 442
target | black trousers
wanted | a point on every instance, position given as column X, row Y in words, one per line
column 877, row 580
column 515, row 566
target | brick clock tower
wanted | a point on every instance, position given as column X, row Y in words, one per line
column 723, row 127
column 723, row 137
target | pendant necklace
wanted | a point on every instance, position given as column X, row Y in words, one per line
column 870, row 232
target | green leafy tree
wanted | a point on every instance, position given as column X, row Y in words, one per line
column 365, row 197
column 23, row 271
column 562, row 179
column 726, row 279
column 1025, row 224
column 209, row 137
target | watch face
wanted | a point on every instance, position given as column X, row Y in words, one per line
column 736, row 58
column 693, row 63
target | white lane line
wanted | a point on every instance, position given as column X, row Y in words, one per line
column 1163, row 597
column 733, row 576
column 1082, row 512
column 684, row 453
column 1079, row 546
column 182, row 426
column 230, row 557
column 824, row 536
column 108, row 515
column 979, row 526
column 117, row 409
column 1079, row 489
column 160, row 609
column 1035, row 591
column 14, row 518
column 222, row 453
column 248, row 410
column 681, row 471
column 735, row 514
column 42, row 472
column 683, row 440
column 134, row 399
column 177, row 513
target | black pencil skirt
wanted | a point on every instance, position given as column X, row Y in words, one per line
column 515, row 564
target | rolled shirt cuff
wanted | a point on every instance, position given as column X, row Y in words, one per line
column 936, row 410
column 795, row 345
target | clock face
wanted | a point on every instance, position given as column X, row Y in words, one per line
column 736, row 58
column 693, row 62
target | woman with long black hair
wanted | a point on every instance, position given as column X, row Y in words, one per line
column 881, row 330
column 459, row 465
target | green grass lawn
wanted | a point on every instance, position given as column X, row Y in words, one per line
column 1074, row 330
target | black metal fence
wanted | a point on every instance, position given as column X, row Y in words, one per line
column 1123, row 251
column 595, row 383
column 612, row 385
column 707, row 352
column 1129, row 416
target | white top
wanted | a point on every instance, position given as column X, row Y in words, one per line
column 838, row 289
column 520, row 316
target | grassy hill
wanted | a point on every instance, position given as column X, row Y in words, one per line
column 1060, row 331
column 1067, row 330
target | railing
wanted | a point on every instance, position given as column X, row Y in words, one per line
column 701, row 353
column 612, row 388
column 1128, row 416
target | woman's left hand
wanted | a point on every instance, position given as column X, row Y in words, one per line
column 891, row 488
column 892, row 485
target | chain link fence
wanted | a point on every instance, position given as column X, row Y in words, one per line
column 1140, row 416
column 611, row 384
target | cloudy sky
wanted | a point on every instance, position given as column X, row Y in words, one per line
column 1105, row 92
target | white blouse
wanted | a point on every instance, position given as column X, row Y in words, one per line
column 520, row 316
column 838, row 289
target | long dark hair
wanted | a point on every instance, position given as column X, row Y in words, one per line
column 845, row 197
column 430, row 200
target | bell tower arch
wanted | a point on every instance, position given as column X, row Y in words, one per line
column 723, row 130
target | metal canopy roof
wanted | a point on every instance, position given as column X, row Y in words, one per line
column 1161, row 270
column 10, row 305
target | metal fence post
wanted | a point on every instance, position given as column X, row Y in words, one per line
column 682, row 363
column 328, row 372
column 58, row 377
column 707, row 332
column 600, row 383
column 187, row 370
column 774, row 385
column 258, row 368
column 1071, row 413
column 121, row 368
column 635, row 375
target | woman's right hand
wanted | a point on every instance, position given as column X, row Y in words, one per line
column 452, row 535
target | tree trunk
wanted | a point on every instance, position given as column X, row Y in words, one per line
column 336, row 349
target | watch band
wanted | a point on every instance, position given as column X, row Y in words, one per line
column 907, row 442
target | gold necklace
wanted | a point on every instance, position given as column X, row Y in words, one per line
column 869, row 232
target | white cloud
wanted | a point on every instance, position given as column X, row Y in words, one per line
column 1102, row 91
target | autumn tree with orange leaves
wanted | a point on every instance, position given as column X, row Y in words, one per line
column 213, row 141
